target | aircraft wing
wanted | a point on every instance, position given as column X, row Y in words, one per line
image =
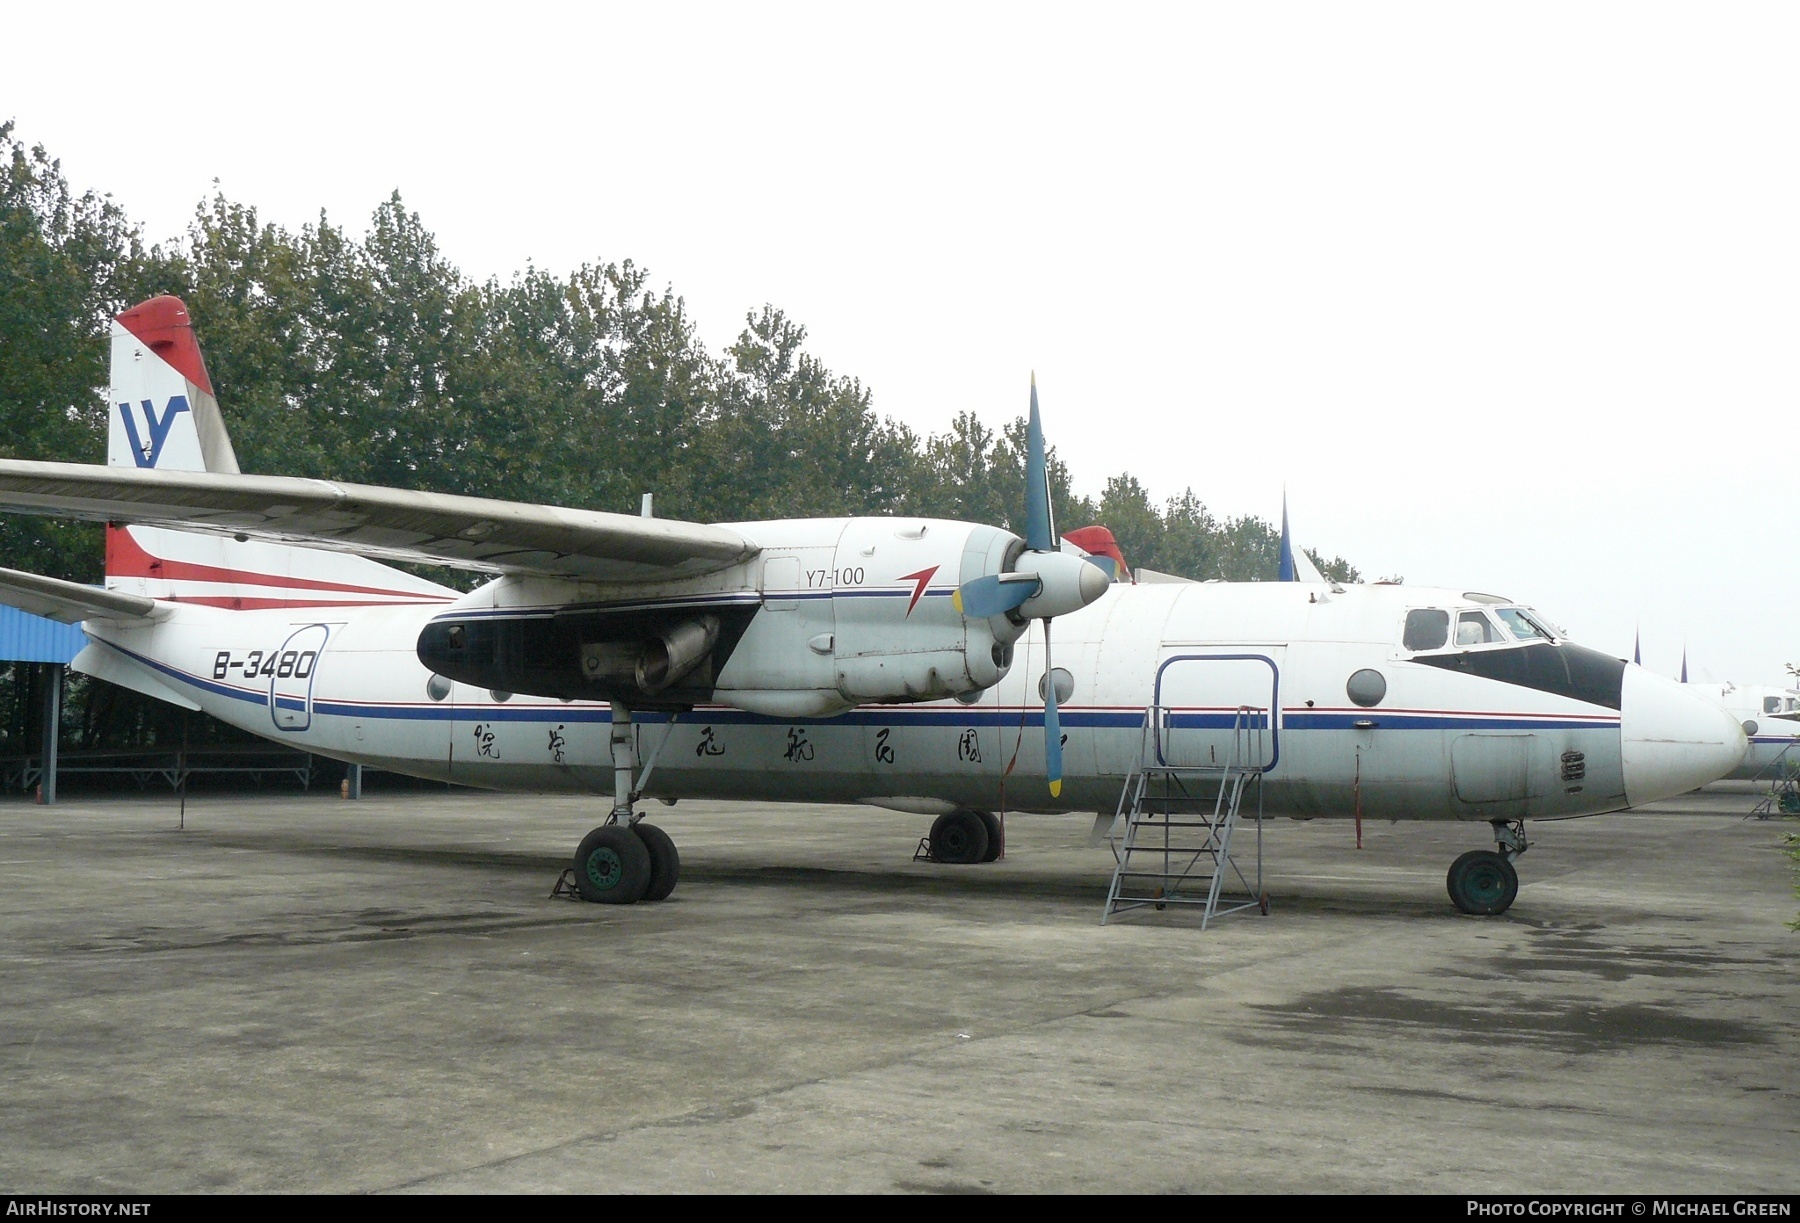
column 71, row 602
column 396, row 524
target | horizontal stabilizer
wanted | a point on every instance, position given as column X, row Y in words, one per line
column 104, row 662
column 71, row 602
column 397, row 524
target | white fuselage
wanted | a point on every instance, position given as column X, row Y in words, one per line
column 1257, row 669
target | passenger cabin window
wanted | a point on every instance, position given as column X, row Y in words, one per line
column 1771, row 704
column 1521, row 625
column 1473, row 628
column 1427, row 628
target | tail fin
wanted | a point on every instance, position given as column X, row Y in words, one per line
column 164, row 414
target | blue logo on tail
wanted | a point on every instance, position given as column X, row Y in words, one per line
column 146, row 453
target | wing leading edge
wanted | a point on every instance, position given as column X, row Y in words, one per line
column 395, row 524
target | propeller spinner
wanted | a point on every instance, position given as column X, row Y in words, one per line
column 1044, row 583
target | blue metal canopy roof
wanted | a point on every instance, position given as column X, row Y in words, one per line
column 28, row 638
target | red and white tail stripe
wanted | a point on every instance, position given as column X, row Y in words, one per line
column 250, row 576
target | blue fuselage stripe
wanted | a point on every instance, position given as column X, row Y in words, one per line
column 897, row 716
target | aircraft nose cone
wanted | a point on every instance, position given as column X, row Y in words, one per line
column 1671, row 740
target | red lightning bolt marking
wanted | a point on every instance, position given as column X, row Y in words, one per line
column 919, row 580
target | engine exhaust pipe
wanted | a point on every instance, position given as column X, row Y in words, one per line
column 668, row 659
column 655, row 664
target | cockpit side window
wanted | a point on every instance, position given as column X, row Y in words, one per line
column 1771, row 704
column 1427, row 628
column 1473, row 628
column 1519, row 622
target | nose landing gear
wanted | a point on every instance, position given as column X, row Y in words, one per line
column 1483, row 882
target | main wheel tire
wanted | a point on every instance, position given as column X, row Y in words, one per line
column 996, row 836
column 1483, row 883
column 612, row 867
column 960, row 837
column 665, row 861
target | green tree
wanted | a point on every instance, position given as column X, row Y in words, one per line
column 1190, row 545
column 66, row 263
column 802, row 440
column 1125, row 510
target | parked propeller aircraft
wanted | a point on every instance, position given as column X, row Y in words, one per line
column 1771, row 720
column 898, row 662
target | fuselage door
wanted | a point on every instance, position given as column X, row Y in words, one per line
column 1214, row 710
column 290, row 688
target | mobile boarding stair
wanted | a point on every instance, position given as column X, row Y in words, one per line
column 1783, row 776
column 1179, row 821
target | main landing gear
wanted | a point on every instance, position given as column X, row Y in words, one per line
column 624, row 860
column 1483, row 881
column 966, row 837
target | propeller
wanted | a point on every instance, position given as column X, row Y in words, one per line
column 1044, row 583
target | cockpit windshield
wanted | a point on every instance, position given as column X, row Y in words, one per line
column 1473, row 628
column 1522, row 624
column 1429, row 629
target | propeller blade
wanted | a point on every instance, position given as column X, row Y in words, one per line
column 1040, row 530
column 994, row 594
column 1052, row 723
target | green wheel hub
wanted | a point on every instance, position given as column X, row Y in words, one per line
column 1485, row 884
column 1482, row 883
column 604, row 870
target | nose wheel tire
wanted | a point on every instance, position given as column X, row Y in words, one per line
column 665, row 861
column 612, row 866
column 960, row 837
column 1483, row 883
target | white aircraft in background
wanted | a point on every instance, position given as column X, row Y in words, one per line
column 899, row 662
column 1770, row 717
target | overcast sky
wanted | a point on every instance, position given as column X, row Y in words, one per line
column 1506, row 296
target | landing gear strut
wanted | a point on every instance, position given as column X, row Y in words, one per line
column 1483, row 882
column 625, row 860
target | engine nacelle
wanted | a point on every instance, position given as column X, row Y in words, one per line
column 866, row 617
column 660, row 656
column 833, row 613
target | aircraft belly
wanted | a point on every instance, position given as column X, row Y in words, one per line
column 1427, row 773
